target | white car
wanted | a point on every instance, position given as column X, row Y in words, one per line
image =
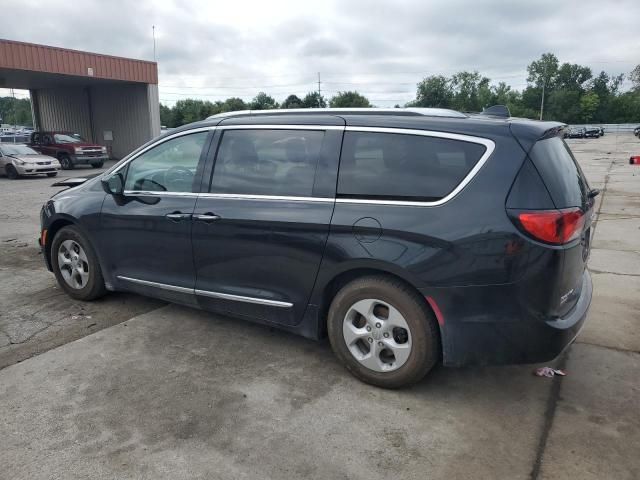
column 17, row 160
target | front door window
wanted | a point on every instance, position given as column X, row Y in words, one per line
column 168, row 167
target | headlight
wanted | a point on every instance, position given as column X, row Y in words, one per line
column 104, row 149
column 18, row 161
column 77, row 150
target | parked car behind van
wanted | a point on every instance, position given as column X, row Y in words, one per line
column 408, row 237
column 18, row 160
column 575, row 132
column 69, row 148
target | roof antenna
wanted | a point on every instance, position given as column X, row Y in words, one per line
column 496, row 111
column 153, row 30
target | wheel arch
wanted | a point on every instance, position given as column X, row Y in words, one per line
column 344, row 276
column 54, row 227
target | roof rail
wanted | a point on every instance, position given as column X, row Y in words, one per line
column 413, row 111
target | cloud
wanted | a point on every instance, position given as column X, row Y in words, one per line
column 213, row 50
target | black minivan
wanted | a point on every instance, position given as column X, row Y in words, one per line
column 408, row 236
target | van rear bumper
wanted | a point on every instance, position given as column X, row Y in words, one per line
column 508, row 339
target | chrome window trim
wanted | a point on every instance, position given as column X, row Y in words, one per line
column 207, row 293
column 126, row 161
column 163, row 286
column 152, row 193
column 233, row 196
column 489, row 145
column 242, row 298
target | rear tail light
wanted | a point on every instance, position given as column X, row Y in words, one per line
column 551, row 226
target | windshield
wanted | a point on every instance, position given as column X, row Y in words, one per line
column 68, row 138
column 17, row 150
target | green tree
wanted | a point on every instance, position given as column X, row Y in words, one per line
column 468, row 88
column 349, row 99
column 166, row 116
column 233, row 104
column 434, row 91
column 543, row 71
column 262, row 101
column 292, row 101
column 634, row 76
column 563, row 105
column 572, row 76
column 314, row 100
column 16, row 111
column 589, row 105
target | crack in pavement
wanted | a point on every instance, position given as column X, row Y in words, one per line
column 598, row 272
column 554, row 394
column 616, row 349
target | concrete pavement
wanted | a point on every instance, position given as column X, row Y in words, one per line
column 35, row 315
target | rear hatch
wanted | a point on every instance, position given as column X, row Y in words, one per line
column 563, row 221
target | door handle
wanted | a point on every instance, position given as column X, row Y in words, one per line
column 178, row 216
column 206, row 217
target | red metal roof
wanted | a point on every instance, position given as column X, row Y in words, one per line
column 46, row 59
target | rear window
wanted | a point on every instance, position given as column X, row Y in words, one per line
column 399, row 166
column 560, row 172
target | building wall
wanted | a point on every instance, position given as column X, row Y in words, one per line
column 126, row 112
column 154, row 109
column 130, row 112
column 65, row 109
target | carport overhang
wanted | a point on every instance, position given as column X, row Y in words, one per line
column 112, row 101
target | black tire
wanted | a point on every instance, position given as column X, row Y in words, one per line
column 11, row 172
column 97, row 165
column 425, row 336
column 94, row 287
column 52, row 174
column 65, row 161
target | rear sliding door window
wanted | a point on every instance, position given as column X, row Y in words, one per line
column 392, row 166
column 267, row 162
column 560, row 171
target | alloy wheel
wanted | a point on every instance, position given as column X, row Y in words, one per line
column 73, row 264
column 377, row 335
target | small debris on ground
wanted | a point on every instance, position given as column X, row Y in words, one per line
column 548, row 372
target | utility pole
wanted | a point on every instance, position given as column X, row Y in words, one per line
column 319, row 92
column 15, row 111
column 153, row 30
column 544, row 84
column 542, row 100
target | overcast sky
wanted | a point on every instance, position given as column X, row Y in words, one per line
column 216, row 49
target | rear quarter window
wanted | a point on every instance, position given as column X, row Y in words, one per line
column 560, row 172
column 400, row 166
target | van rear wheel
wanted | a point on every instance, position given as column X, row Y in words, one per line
column 383, row 332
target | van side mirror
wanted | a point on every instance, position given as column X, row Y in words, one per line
column 113, row 184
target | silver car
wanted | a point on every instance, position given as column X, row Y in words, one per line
column 18, row 160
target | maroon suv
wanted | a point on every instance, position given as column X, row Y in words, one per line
column 69, row 148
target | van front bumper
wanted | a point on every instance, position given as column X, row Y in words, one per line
column 510, row 336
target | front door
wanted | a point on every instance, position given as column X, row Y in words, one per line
column 259, row 233
column 47, row 144
column 146, row 233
